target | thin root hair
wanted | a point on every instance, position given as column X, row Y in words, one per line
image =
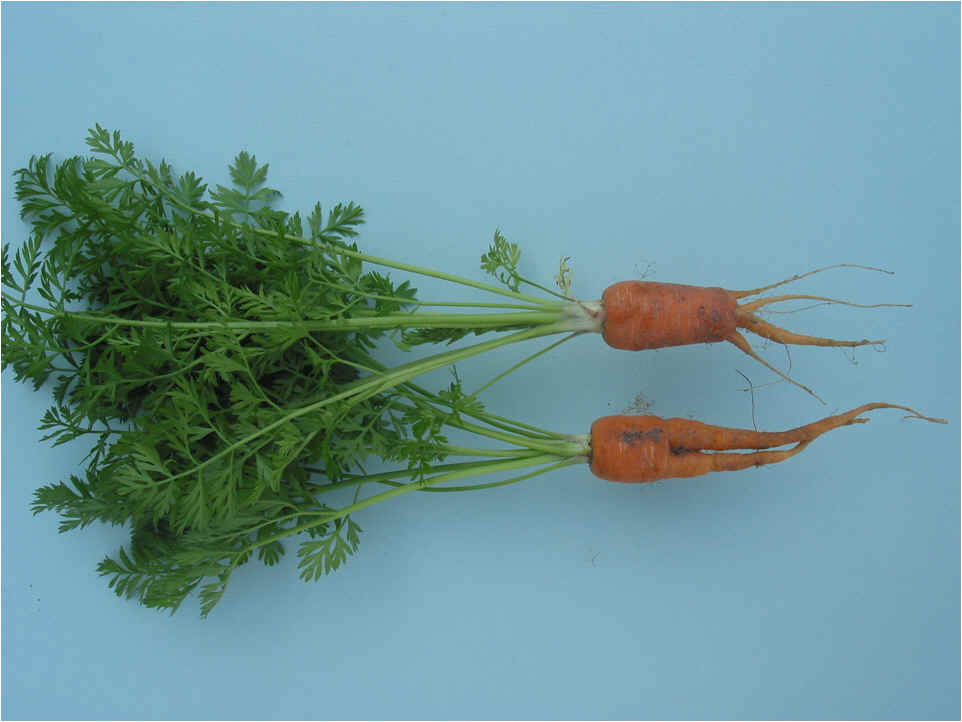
column 799, row 276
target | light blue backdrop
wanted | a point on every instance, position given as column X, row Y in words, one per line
column 708, row 144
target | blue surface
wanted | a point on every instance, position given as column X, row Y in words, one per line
column 718, row 145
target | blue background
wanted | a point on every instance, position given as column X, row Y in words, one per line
column 729, row 145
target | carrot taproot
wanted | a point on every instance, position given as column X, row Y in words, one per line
column 637, row 315
column 646, row 315
column 636, row 449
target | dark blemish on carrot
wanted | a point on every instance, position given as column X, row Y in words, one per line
column 639, row 437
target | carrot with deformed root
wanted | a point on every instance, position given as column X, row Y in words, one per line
column 266, row 398
column 638, row 315
column 638, row 449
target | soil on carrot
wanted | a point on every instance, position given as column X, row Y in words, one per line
column 639, row 437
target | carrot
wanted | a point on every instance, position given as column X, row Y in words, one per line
column 636, row 449
column 252, row 394
column 637, row 315
column 645, row 315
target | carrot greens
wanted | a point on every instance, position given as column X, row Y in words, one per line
column 218, row 355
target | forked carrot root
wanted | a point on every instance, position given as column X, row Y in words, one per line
column 745, row 317
column 636, row 449
column 645, row 315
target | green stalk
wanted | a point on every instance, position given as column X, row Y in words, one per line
column 540, row 306
column 398, row 320
column 408, row 371
column 422, row 271
column 383, row 477
column 490, row 467
column 551, row 447
column 504, row 482
column 365, row 388
column 465, row 451
column 500, row 422
column 437, row 320
column 521, row 363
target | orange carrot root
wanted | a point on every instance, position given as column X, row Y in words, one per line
column 746, row 318
column 759, row 327
column 645, row 315
column 637, row 449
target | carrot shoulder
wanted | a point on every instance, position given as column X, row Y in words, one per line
column 636, row 449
